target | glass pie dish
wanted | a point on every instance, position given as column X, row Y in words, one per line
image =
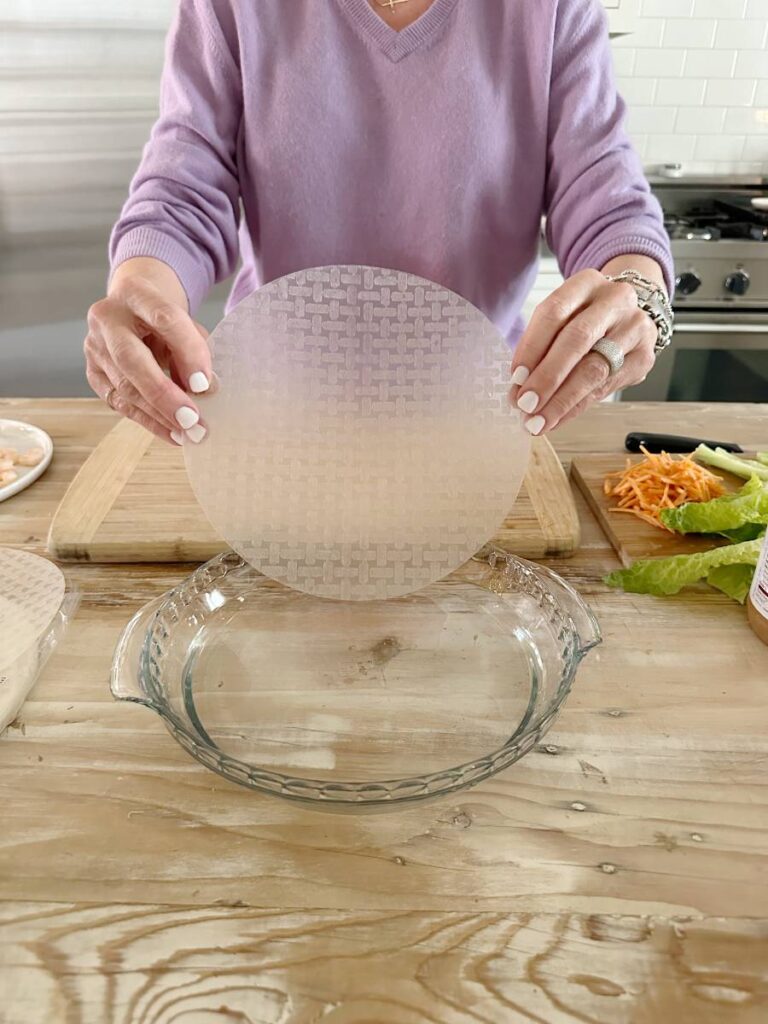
column 363, row 703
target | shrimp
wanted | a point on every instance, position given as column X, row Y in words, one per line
column 8, row 454
column 5, row 465
column 8, row 476
column 30, row 457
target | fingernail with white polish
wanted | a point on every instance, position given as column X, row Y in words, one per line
column 535, row 425
column 198, row 383
column 186, row 417
column 521, row 375
column 177, row 436
column 196, row 433
column 528, row 401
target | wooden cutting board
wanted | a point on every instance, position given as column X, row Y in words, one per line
column 630, row 536
column 131, row 502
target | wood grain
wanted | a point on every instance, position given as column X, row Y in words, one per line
column 98, row 485
column 554, row 527
column 136, row 964
column 103, row 801
column 131, row 501
column 631, row 538
column 80, row 423
column 648, row 798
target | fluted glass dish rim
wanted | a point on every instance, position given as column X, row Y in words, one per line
column 508, row 573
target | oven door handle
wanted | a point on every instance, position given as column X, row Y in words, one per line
column 709, row 327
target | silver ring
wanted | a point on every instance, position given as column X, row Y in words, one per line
column 108, row 398
column 612, row 354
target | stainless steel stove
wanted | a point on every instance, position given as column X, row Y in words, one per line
column 719, row 234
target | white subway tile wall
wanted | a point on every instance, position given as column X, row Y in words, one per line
column 694, row 74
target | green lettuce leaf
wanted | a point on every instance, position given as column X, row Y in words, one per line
column 732, row 511
column 662, row 576
column 746, row 532
column 733, row 580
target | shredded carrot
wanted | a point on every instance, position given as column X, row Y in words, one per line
column 660, row 481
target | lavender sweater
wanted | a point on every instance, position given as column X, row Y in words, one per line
column 297, row 133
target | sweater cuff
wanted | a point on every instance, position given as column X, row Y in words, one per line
column 627, row 245
column 147, row 242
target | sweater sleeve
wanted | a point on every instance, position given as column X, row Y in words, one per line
column 598, row 202
column 183, row 203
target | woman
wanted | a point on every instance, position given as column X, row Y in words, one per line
column 423, row 135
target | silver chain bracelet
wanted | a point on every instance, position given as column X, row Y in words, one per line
column 652, row 299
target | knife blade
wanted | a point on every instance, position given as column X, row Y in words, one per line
column 672, row 443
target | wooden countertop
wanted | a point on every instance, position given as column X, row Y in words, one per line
column 617, row 875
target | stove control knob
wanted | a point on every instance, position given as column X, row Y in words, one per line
column 687, row 283
column 737, row 283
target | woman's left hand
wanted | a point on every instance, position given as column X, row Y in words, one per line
column 555, row 374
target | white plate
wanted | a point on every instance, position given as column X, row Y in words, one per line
column 24, row 436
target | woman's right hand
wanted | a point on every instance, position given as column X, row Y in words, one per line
column 140, row 330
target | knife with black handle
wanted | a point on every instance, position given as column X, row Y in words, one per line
column 672, row 443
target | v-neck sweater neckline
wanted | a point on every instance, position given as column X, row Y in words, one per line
column 393, row 44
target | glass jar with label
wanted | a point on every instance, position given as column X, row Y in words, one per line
column 757, row 602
